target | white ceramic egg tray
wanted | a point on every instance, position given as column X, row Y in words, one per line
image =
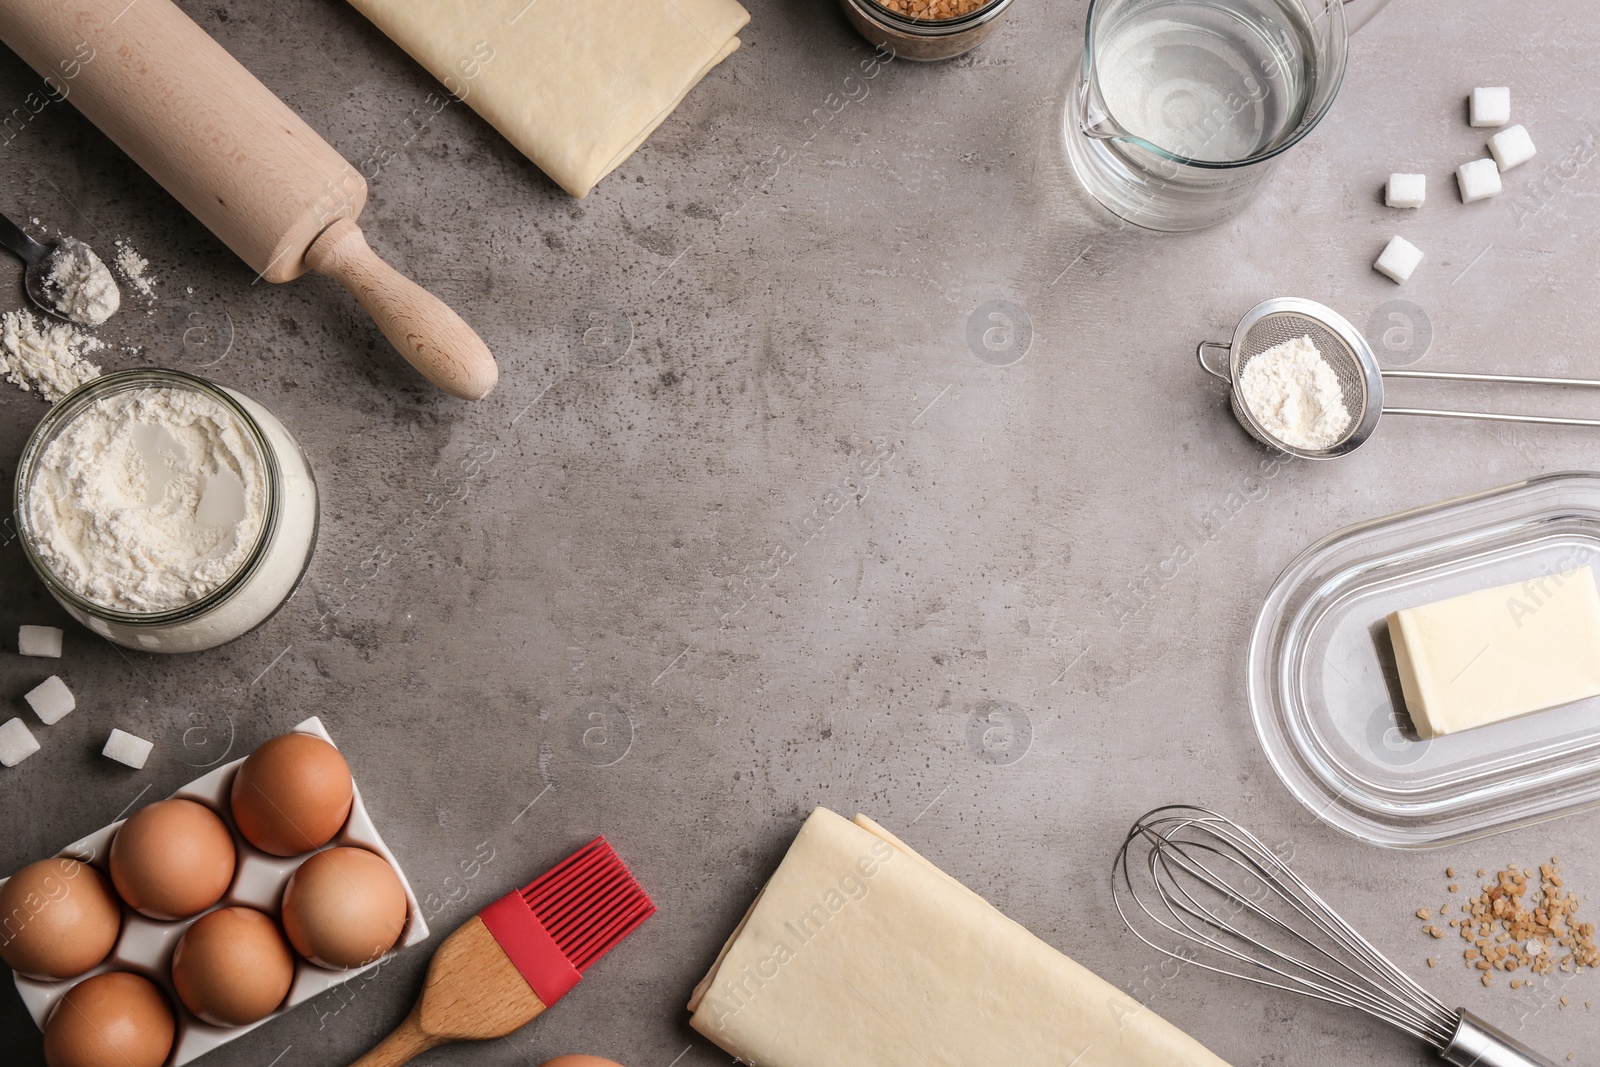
column 145, row 946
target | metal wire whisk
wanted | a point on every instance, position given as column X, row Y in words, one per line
column 1232, row 906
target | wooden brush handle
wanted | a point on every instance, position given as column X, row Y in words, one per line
column 473, row 993
column 406, row 1042
column 431, row 337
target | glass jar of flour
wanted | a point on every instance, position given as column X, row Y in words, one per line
column 165, row 512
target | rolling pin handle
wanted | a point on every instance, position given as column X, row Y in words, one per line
column 431, row 336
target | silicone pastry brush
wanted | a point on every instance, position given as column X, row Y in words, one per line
column 519, row 955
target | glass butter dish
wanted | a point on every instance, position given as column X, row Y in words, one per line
column 1326, row 700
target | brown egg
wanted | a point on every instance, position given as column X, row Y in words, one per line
column 172, row 859
column 344, row 907
column 292, row 794
column 114, row 1019
column 232, row 967
column 579, row 1061
column 58, row 918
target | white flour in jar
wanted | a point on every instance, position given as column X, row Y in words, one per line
column 148, row 499
column 1295, row 396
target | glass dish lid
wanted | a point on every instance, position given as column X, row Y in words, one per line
column 1326, row 700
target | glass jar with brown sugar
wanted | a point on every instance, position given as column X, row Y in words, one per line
column 925, row 29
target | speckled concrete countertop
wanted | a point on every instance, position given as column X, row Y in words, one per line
column 521, row 622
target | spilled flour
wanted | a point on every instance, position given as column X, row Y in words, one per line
column 136, row 269
column 40, row 354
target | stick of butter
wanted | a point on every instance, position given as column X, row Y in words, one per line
column 1498, row 653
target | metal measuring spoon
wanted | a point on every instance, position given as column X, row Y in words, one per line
column 41, row 259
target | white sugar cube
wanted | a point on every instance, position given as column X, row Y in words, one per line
column 1511, row 147
column 16, row 742
column 127, row 748
column 1400, row 257
column 39, row 641
column 1406, row 190
column 1479, row 180
column 51, row 700
column 1491, row 106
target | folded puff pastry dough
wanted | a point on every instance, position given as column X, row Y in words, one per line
column 860, row 953
column 576, row 85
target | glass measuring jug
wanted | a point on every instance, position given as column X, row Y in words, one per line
column 1180, row 107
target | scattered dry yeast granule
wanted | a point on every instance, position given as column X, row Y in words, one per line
column 1523, row 922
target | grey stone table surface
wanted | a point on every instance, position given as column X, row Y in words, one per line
column 620, row 596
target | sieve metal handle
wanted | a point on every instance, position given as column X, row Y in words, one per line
column 1491, row 416
column 1514, row 379
column 1200, row 354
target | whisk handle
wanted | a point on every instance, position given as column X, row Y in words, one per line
column 1477, row 1044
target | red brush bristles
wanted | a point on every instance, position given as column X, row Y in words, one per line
column 588, row 903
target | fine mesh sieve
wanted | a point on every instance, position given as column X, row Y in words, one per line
column 1273, row 322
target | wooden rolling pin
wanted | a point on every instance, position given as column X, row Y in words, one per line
column 239, row 159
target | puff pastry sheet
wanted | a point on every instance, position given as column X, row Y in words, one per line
column 860, row 953
column 576, row 85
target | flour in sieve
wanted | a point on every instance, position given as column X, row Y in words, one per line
column 148, row 499
column 1295, row 396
